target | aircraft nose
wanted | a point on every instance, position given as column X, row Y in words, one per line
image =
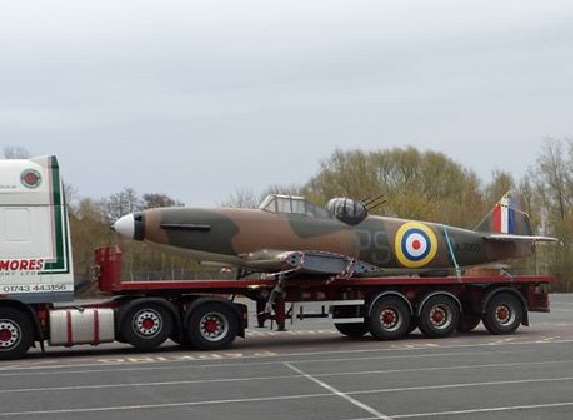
column 131, row 226
column 125, row 226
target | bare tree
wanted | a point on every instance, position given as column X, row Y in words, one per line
column 554, row 176
column 155, row 200
column 71, row 195
column 122, row 203
column 241, row 198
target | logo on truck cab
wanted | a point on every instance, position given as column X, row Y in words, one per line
column 22, row 265
column 31, row 178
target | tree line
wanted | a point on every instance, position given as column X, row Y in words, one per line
column 431, row 186
column 416, row 184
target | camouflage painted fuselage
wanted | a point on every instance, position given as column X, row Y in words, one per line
column 237, row 236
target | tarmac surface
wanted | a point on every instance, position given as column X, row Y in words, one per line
column 309, row 372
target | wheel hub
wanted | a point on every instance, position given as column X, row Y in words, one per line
column 9, row 334
column 440, row 317
column 389, row 318
column 503, row 314
column 213, row 326
column 147, row 322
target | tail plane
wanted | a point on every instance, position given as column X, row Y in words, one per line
column 507, row 221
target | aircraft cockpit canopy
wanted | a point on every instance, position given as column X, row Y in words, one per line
column 290, row 204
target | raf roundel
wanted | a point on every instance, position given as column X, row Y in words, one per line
column 416, row 245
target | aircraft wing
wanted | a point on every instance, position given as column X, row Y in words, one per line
column 509, row 237
column 305, row 261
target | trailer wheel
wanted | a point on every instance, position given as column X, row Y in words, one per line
column 503, row 314
column 439, row 316
column 390, row 318
column 352, row 330
column 146, row 326
column 16, row 334
column 468, row 323
column 212, row 326
column 413, row 325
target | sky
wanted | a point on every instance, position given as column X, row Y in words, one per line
column 198, row 99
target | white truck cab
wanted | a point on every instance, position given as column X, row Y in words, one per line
column 35, row 256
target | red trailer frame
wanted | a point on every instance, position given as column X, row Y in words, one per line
column 203, row 313
column 533, row 288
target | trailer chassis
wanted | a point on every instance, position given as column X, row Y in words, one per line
column 205, row 315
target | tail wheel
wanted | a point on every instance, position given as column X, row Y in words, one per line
column 146, row 326
column 16, row 333
column 212, row 326
column 352, row 330
column 439, row 316
column 503, row 314
column 390, row 318
column 468, row 323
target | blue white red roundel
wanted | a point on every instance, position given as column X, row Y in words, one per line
column 415, row 245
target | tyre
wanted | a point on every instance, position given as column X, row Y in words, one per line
column 503, row 314
column 468, row 323
column 16, row 333
column 390, row 318
column 180, row 341
column 439, row 316
column 352, row 330
column 145, row 326
column 212, row 326
column 413, row 325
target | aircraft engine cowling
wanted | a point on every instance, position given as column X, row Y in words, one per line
column 347, row 210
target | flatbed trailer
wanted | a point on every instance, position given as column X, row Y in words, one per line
column 387, row 307
column 37, row 290
column 203, row 314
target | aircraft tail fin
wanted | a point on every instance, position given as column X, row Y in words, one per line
column 506, row 218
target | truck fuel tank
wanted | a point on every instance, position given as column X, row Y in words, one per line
column 81, row 326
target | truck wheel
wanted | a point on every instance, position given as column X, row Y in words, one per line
column 212, row 326
column 146, row 326
column 468, row 323
column 351, row 330
column 390, row 318
column 503, row 314
column 439, row 316
column 16, row 333
column 413, row 325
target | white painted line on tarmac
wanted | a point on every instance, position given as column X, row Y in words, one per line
column 460, row 385
column 196, row 357
column 457, row 367
column 339, row 393
column 146, row 384
column 300, row 397
column 165, row 405
column 482, row 410
column 200, row 356
column 278, row 377
column 257, row 333
column 270, row 363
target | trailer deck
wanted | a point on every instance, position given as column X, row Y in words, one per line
column 109, row 261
